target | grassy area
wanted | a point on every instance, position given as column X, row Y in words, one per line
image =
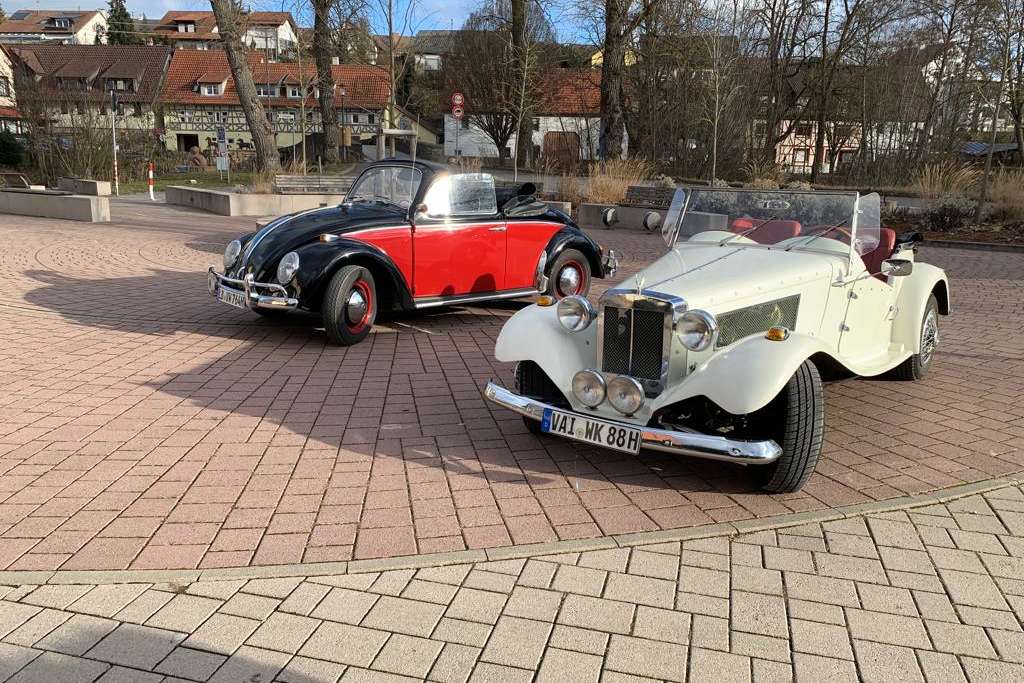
column 202, row 179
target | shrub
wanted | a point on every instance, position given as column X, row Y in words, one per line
column 946, row 179
column 609, row 181
column 1006, row 192
column 763, row 184
column 10, row 150
column 763, row 170
column 949, row 214
column 718, row 182
column 797, row 185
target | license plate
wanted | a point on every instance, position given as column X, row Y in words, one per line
column 232, row 297
column 588, row 430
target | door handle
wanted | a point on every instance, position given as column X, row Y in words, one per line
column 500, row 228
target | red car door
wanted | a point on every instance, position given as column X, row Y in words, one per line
column 525, row 242
column 459, row 245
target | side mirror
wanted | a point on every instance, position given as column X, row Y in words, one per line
column 897, row 267
column 609, row 217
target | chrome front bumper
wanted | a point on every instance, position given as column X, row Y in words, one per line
column 251, row 289
column 682, row 443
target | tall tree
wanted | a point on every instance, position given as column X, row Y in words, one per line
column 120, row 27
column 229, row 24
column 323, row 51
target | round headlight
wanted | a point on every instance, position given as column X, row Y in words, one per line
column 588, row 387
column 287, row 268
column 697, row 330
column 575, row 313
column 625, row 394
column 231, row 254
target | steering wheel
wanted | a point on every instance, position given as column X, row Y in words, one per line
column 825, row 229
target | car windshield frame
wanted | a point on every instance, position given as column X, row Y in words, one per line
column 862, row 222
column 381, row 195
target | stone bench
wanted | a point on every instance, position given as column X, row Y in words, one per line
column 55, row 204
column 96, row 188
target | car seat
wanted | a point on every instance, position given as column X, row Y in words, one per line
column 873, row 259
column 771, row 232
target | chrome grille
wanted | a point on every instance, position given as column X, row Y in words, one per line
column 743, row 322
column 633, row 342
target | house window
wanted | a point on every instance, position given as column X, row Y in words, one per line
column 370, row 118
column 5, row 86
column 294, row 91
column 843, row 130
column 220, row 116
column 536, row 123
column 802, row 130
column 186, row 27
column 355, row 118
column 137, row 109
column 266, row 90
column 62, row 22
column 63, row 107
column 800, row 155
column 286, row 117
column 120, row 85
column 211, row 89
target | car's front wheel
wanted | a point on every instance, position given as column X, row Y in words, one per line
column 916, row 367
column 796, row 420
column 350, row 305
column 569, row 275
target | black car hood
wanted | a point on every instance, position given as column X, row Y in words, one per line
column 287, row 233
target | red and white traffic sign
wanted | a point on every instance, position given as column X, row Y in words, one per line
column 457, row 112
column 458, row 99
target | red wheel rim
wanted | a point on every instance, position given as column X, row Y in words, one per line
column 362, row 289
column 581, row 279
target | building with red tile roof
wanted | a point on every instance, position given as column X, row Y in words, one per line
column 199, row 96
column 60, row 26
column 274, row 33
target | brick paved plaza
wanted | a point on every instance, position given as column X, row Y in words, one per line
column 150, row 438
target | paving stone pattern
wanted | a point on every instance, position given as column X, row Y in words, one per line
column 145, row 426
column 929, row 593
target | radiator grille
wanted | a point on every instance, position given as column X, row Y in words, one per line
column 643, row 357
column 753, row 319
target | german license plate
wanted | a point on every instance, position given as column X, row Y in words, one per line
column 589, row 430
column 232, row 297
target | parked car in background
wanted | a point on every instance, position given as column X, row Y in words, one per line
column 409, row 236
column 716, row 349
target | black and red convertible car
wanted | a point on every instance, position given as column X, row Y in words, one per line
column 409, row 235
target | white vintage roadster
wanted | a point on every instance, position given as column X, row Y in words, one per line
column 716, row 350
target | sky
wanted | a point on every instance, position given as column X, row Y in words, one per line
column 432, row 13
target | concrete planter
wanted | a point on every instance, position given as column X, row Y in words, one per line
column 630, row 217
column 71, row 207
column 96, row 188
column 237, row 204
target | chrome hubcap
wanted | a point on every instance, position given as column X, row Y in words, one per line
column 355, row 307
column 569, row 280
column 929, row 337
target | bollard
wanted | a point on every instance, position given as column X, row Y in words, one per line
column 151, row 196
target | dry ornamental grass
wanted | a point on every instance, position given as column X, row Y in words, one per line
column 608, row 183
column 946, row 179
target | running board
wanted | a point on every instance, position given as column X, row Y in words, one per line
column 455, row 299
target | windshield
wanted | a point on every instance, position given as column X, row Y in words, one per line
column 784, row 219
column 389, row 185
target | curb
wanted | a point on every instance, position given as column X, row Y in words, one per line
column 974, row 246
column 187, row 576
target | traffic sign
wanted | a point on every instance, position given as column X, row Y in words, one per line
column 458, row 99
column 457, row 112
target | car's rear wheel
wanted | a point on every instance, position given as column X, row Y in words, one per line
column 350, row 305
column 796, row 420
column 569, row 275
column 534, row 383
column 916, row 367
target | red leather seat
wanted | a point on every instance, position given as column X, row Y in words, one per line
column 771, row 232
column 873, row 259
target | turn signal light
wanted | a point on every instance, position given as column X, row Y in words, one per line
column 545, row 300
column 777, row 334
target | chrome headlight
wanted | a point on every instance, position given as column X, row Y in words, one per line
column 588, row 387
column 575, row 313
column 697, row 330
column 231, row 254
column 287, row 268
column 625, row 394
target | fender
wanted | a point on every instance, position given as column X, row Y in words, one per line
column 534, row 333
column 571, row 237
column 913, row 297
column 320, row 260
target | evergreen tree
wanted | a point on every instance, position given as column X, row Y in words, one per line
column 120, row 27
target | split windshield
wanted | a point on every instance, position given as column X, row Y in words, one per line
column 780, row 219
column 387, row 185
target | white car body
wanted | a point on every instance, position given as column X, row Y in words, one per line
column 834, row 310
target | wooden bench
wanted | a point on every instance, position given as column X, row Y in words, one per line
column 312, row 184
column 15, row 180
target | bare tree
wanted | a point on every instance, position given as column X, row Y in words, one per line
column 323, row 51
column 231, row 29
column 722, row 83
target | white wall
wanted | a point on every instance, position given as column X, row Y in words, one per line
column 87, row 34
column 473, row 142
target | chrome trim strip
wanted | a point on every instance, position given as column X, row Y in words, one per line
column 432, row 302
column 253, row 298
column 681, row 443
